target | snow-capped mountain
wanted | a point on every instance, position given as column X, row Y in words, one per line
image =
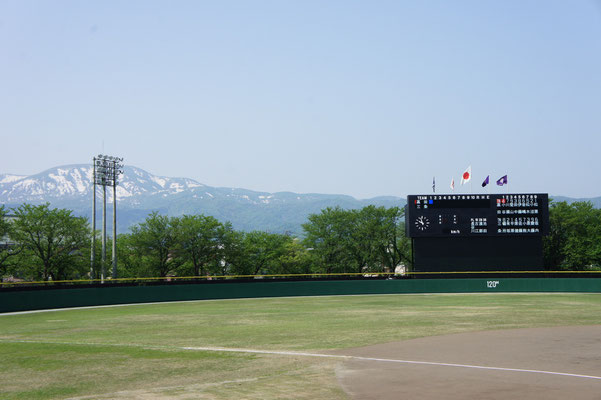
column 76, row 181
column 139, row 193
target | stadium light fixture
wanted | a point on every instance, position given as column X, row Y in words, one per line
column 107, row 170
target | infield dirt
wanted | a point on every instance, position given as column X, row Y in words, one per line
column 571, row 350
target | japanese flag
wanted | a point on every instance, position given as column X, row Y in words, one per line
column 467, row 175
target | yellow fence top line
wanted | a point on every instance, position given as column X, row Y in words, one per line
column 366, row 274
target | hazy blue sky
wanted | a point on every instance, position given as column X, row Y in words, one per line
column 364, row 98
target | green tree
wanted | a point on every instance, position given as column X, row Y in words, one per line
column 129, row 263
column 154, row 241
column 574, row 240
column 369, row 239
column 233, row 259
column 294, row 259
column 583, row 247
column 53, row 241
column 262, row 251
column 394, row 246
column 375, row 238
column 7, row 252
column 363, row 230
column 200, row 242
column 554, row 243
column 327, row 235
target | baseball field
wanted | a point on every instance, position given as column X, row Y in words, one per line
column 337, row 347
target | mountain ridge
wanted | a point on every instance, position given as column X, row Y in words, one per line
column 140, row 193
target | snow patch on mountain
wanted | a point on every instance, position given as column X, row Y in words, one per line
column 160, row 181
column 7, row 178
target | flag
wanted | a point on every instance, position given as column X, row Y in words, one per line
column 433, row 184
column 486, row 181
column 502, row 180
column 452, row 183
column 467, row 175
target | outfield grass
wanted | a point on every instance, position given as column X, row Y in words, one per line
column 135, row 351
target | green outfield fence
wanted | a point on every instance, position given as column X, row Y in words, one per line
column 409, row 274
column 65, row 294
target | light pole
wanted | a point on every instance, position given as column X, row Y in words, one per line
column 93, row 253
column 106, row 173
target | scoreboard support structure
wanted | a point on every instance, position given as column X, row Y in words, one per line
column 483, row 232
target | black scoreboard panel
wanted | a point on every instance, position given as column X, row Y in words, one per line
column 483, row 253
column 477, row 215
column 484, row 232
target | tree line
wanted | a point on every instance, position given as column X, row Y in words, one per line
column 574, row 240
column 54, row 244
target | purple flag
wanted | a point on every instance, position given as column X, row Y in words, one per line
column 486, row 181
column 502, row 180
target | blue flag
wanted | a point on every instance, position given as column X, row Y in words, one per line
column 502, row 180
column 486, row 181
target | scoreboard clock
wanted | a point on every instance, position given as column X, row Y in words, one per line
column 422, row 223
column 477, row 215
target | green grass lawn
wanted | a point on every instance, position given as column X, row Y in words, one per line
column 135, row 351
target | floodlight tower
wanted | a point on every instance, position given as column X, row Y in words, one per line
column 106, row 173
column 93, row 252
column 117, row 170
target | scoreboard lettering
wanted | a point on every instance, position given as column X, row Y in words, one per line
column 477, row 215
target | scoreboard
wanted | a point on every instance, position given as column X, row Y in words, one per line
column 477, row 232
column 477, row 215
